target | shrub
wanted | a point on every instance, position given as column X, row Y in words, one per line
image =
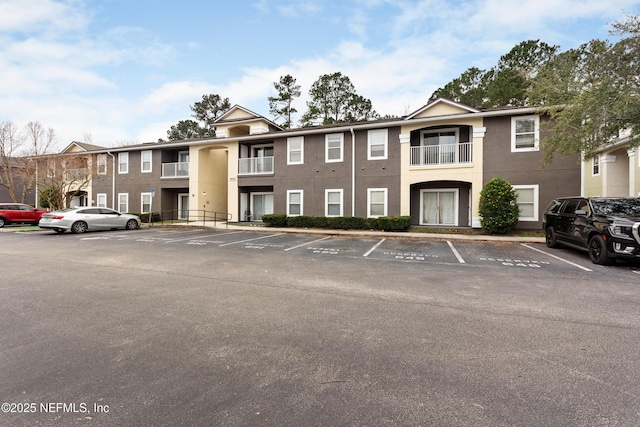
column 393, row 223
column 498, row 208
column 275, row 220
column 303, row 221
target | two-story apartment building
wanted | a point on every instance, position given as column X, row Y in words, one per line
column 430, row 165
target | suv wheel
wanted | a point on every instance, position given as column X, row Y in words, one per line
column 550, row 238
column 598, row 251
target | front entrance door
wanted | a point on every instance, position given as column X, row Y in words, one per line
column 261, row 204
column 183, row 206
column 439, row 207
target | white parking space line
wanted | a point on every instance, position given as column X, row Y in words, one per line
column 374, row 247
column 188, row 238
column 250, row 240
column 558, row 258
column 305, row 244
column 456, row 253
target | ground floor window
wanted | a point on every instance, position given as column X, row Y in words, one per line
column 376, row 202
column 101, row 200
column 527, row 201
column 183, row 206
column 261, row 204
column 439, row 207
column 333, row 202
column 294, row 202
column 145, row 199
column 123, row 202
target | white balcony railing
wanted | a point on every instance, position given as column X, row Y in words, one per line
column 255, row 165
column 175, row 170
column 446, row 154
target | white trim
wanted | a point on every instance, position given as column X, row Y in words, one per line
column 386, row 201
column 299, row 139
column 142, row 154
column 536, row 200
column 289, row 192
column 101, row 161
column 142, row 196
column 332, row 137
column 126, row 203
column 456, row 131
column 385, row 143
column 536, row 134
column 100, row 203
column 456, row 204
column 326, row 200
column 123, row 159
column 594, row 164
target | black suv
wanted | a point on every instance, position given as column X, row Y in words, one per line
column 607, row 227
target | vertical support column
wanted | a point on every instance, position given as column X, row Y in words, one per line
column 633, row 191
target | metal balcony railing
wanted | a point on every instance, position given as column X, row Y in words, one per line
column 255, row 165
column 175, row 170
column 446, row 154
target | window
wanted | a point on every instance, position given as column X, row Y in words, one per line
column 333, row 202
column 102, row 200
column 145, row 199
column 377, row 144
column 294, row 202
column 595, row 165
column 525, row 133
column 123, row 162
column 376, row 202
column 334, row 145
column 145, row 161
column 295, row 150
column 102, row 164
column 123, row 202
column 528, row 201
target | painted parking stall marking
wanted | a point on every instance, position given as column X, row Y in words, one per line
column 250, row 240
column 306, row 244
column 374, row 248
column 558, row 258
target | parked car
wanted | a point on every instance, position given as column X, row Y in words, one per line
column 15, row 213
column 606, row 227
column 79, row 220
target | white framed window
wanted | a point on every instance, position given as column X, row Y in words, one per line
column 295, row 150
column 295, row 200
column 102, row 164
column 377, row 145
column 123, row 162
column 334, row 147
column 101, row 199
column 595, row 165
column 145, row 202
column 376, row 202
column 123, row 202
column 333, row 205
column 145, row 161
column 528, row 201
column 525, row 133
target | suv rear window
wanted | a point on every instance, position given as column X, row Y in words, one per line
column 570, row 206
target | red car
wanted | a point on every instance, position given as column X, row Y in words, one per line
column 12, row 213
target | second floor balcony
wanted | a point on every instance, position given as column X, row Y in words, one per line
column 255, row 165
column 175, row 170
column 439, row 155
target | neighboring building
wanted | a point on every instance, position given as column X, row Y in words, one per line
column 430, row 165
column 613, row 172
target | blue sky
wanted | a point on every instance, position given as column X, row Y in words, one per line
column 115, row 72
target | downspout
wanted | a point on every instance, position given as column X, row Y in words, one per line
column 113, row 180
column 353, row 172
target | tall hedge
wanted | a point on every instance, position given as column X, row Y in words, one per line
column 498, row 207
column 386, row 223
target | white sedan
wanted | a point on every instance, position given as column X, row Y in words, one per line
column 79, row 220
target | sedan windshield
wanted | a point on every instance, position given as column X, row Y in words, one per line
column 617, row 207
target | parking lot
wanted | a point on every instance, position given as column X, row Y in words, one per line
column 175, row 326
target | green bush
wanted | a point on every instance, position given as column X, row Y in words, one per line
column 393, row 223
column 303, row 221
column 275, row 220
column 498, row 207
column 347, row 223
column 144, row 218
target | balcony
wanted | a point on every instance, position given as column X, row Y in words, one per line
column 439, row 155
column 255, row 165
column 175, row 170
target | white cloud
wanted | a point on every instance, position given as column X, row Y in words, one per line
column 42, row 15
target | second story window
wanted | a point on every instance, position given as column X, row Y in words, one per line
column 102, row 164
column 525, row 133
column 334, row 147
column 145, row 161
column 377, row 144
column 596, row 165
column 123, row 162
column 295, row 150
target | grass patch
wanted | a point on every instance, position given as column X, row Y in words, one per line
column 474, row 231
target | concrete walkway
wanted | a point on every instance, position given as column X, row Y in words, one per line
column 366, row 233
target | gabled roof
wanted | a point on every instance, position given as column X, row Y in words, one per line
column 245, row 114
column 76, row 146
column 445, row 101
